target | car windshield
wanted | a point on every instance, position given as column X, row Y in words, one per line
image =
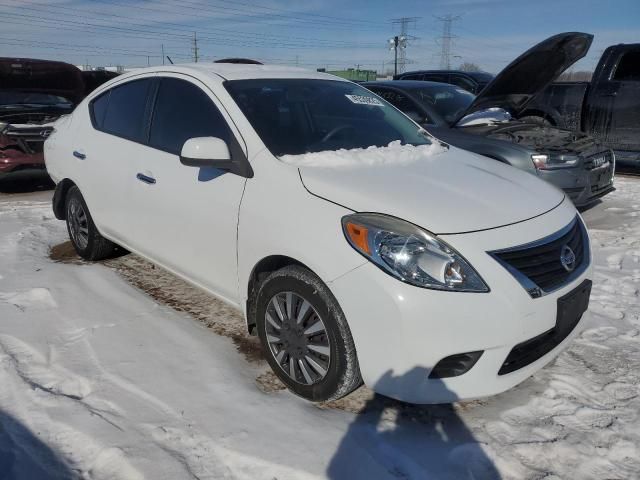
column 448, row 101
column 13, row 98
column 297, row 116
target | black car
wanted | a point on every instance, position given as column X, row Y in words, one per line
column 482, row 124
column 472, row 82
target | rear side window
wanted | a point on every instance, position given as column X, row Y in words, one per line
column 629, row 67
column 98, row 109
column 125, row 111
column 437, row 77
column 463, row 82
column 413, row 76
column 183, row 111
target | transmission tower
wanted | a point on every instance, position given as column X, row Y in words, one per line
column 404, row 38
column 446, row 40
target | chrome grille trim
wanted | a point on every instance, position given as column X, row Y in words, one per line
column 531, row 251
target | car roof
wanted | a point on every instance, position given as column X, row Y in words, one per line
column 406, row 84
column 476, row 75
column 240, row 71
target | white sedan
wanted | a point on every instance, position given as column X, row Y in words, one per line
column 359, row 247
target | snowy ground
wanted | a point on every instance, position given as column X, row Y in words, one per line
column 119, row 371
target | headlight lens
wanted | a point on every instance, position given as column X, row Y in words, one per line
column 410, row 254
column 554, row 161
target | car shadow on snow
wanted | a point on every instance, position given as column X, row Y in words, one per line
column 26, row 181
column 23, row 456
column 392, row 439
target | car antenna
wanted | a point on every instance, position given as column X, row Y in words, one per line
column 169, row 58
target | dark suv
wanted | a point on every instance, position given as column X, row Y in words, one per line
column 472, row 82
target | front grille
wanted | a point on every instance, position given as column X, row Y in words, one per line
column 539, row 266
column 598, row 160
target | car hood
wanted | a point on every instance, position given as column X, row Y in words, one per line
column 41, row 76
column 451, row 192
column 529, row 74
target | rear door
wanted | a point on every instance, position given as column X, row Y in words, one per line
column 106, row 152
column 613, row 104
column 189, row 215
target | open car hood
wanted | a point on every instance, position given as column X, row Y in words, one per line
column 41, row 76
column 529, row 74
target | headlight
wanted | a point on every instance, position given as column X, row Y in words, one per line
column 554, row 161
column 410, row 254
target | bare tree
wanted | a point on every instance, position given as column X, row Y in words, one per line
column 470, row 67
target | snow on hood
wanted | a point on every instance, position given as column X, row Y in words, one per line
column 452, row 192
column 394, row 154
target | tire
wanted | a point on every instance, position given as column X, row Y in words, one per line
column 84, row 235
column 318, row 377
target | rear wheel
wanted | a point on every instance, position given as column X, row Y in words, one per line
column 305, row 336
column 84, row 235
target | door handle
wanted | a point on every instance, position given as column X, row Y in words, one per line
column 79, row 154
column 145, row 178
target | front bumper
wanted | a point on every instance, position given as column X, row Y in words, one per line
column 401, row 332
column 581, row 185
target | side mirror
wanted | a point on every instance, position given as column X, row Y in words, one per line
column 206, row 152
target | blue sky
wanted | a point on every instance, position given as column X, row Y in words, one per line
column 314, row 33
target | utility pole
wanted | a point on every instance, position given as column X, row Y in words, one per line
column 446, row 40
column 163, row 53
column 400, row 46
column 396, row 44
column 195, row 47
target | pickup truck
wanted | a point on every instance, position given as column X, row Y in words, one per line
column 607, row 107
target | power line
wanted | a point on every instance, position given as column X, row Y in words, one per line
column 218, row 36
column 446, row 39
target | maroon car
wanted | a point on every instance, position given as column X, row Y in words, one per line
column 33, row 95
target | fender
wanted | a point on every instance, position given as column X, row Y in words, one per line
column 59, row 198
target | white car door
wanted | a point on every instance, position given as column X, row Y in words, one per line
column 189, row 215
column 107, row 150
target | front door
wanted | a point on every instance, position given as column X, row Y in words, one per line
column 614, row 104
column 188, row 215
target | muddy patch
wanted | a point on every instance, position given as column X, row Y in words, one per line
column 269, row 383
column 64, row 253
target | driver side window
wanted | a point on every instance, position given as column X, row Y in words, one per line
column 183, row 111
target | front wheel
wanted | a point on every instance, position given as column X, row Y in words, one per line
column 305, row 335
